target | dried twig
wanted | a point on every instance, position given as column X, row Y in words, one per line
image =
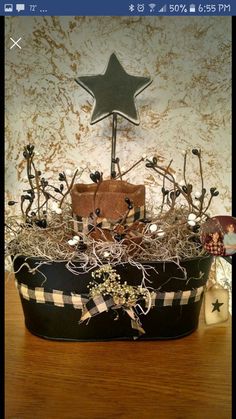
column 131, row 168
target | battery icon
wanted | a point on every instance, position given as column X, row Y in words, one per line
column 192, row 8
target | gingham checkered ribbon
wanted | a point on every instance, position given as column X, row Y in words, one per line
column 93, row 306
column 56, row 297
column 85, row 224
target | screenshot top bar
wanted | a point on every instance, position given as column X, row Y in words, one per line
column 118, row 8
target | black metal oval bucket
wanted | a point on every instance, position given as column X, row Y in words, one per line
column 52, row 301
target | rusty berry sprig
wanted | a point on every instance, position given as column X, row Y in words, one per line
column 120, row 175
column 196, row 202
column 34, row 200
column 117, row 162
column 129, row 208
column 96, row 177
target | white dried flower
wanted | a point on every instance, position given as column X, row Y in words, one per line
column 160, row 233
column 197, row 194
column 191, row 223
column 183, row 152
column 192, row 217
column 106, row 254
column 144, row 156
column 153, row 228
column 76, row 238
column 58, row 211
column 72, row 242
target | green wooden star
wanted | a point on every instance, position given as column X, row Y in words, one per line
column 216, row 306
column 114, row 91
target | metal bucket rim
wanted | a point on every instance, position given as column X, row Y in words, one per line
column 196, row 258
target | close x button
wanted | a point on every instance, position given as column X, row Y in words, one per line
column 15, row 43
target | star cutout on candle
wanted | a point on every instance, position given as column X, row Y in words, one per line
column 216, row 306
column 114, row 91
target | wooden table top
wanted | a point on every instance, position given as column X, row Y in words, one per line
column 188, row 378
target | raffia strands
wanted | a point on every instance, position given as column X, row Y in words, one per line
column 51, row 244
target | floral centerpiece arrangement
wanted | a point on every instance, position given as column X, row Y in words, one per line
column 87, row 255
column 47, row 227
column 48, row 233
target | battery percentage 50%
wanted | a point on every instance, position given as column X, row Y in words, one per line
column 178, row 8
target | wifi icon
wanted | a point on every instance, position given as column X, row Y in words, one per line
column 152, row 7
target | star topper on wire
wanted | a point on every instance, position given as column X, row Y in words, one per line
column 114, row 93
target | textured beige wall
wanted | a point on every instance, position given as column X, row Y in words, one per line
column 187, row 105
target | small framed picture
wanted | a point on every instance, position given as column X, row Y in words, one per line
column 218, row 235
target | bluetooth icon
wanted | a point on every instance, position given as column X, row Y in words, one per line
column 131, row 7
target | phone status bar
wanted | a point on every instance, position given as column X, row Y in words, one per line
column 121, row 8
